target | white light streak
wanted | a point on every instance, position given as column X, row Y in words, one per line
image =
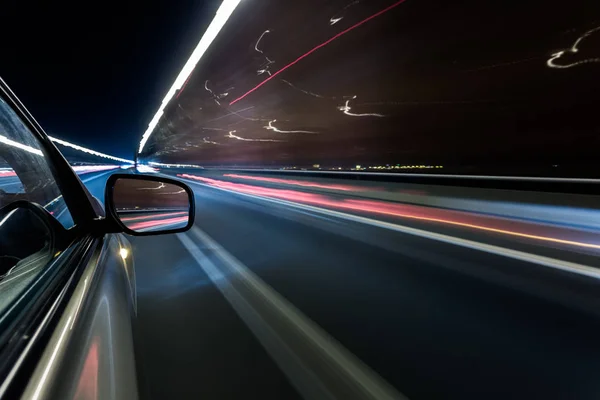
column 334, row 20
column 89, row 151
column 346, row 110
column 230, row 135
column 265, row 67
column 145, row 168
column 160, row 186
column 574, row 49
column 290, row 84
column 259, row 39
column 272, row 128
column 205, row 140
column 206, row 87
column 157, row 164
column 223, row 14
column 10, row 142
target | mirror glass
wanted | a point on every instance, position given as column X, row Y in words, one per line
column 151, row 206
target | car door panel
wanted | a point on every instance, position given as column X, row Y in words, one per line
column 90, row 354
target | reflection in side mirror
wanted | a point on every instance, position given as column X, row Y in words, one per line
column 151, row 205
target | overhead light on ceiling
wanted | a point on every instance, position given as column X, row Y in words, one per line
column 89, row 151
column 223, row 14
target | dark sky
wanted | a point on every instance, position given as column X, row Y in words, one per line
column 464, row 83
column 95, row 73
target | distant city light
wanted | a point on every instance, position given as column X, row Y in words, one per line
column 157, row 164
column 223, row 14
column 365, row 168
column 89, row 151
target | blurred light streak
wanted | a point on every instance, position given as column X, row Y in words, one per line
column 272, row 128
column 174, row 165
column 383, row 208
column 162, row 222
column 206, row 87
column 333, row 20
column 317, row 48
column 170, row 214
column 259, row 39
column 230, row 135
column 89, row 151
column 145, row 168
column 306, row 91
column 221, row 17
column 574, row 49
column 265, row 67
column 346, row 110
column 160, row 186
column 205, row 140
column 82, row 169
column 7, row 172
column 12, row 143
column 347, row 188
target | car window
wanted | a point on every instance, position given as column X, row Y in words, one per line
column 30, row 205
column 24, row 171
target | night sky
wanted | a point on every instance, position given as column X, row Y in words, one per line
column 464, row 84
column 95, row 73
column 509, row 85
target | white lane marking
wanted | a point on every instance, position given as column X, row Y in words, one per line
column 347, row 374
column 488, row 248
column 91, row 178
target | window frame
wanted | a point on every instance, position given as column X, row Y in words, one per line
column 29, row 320
column 77, row 199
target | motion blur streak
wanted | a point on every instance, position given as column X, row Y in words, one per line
column 82, row 169
column 153, row 216
column 223, row 14
column 152, row 224
column 317, row 48
column 383, row 208
column 299, row 183
column 574, row 49
column 89, row 151
column 7, row 172
column 5, row 140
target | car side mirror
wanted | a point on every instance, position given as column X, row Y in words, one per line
column 149, row 205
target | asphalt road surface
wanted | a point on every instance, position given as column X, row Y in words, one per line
column 262, row 299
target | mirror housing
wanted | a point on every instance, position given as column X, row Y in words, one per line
column 143, row 205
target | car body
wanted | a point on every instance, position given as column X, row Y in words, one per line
column 68, row 277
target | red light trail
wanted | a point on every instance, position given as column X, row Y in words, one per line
column 301, row 183
column 408, row 211
column 161, row 222
column 153, row 216
column 317, row 48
